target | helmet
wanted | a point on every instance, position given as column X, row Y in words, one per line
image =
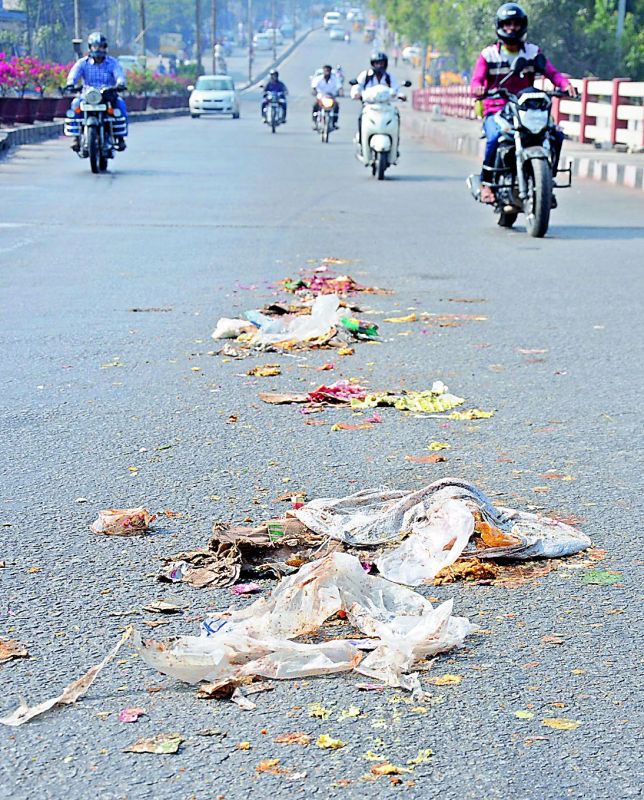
column 378, row 55
column 97, row 43
column 274, row 73
column 506, row 13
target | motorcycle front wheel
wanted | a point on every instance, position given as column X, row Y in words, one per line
column 325, row 128
column 94, row 149
column 382, row 162
column 538, row 202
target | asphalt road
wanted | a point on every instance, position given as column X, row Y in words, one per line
column 197, row 220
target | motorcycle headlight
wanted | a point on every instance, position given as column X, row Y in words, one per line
column 93, row 96
column 532, row 119
column 327, row 102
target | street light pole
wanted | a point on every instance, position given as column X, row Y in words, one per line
column 213, row 28
column 250, row 40
column 274, row 30
column 77, row 20
column 198, row 37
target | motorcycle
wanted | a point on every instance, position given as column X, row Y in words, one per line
column 95, row 124
column 525, row 166
column 325, row 115
column 377, row 141
column 274, row 110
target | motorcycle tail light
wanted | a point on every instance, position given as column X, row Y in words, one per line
column 110, row 111
column 79, row 111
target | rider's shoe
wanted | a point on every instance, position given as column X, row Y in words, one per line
column 553, row 201
column 487, row 194
column 120, row 143
column 76, row 145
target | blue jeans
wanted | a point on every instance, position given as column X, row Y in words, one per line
column 118, row 103
column 492, row 134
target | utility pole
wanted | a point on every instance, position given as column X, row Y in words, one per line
column 77, row 20
column 198, row 37
column 250, row 40
column 273, row 26
column 213, row 32
column 621, row 16
column 142, row 34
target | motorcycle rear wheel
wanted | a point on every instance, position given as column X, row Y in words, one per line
column 94, row 147
column 537, row 204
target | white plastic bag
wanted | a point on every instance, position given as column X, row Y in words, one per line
column 230, row 328
column 323, row 317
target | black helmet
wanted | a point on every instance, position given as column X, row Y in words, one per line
column 378, row 55
column 508, row 12
column 96, row 41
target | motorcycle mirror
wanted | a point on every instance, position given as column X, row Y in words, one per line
column 407, row 84
column 353, row 82
column 540, row 63
column 190, row 88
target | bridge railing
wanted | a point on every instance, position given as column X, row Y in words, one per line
column 606, row 111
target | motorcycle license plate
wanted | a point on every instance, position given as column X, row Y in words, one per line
column 88, row 107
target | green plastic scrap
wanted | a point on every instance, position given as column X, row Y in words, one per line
column 428, row 402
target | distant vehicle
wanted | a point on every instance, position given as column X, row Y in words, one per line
column 279, row 37
column 262, row 41
column 131, row 63
column 287, row 30
column 411, row 53
column 331, row 18
column 354, row 15
column 214, row 94
column 337, row 34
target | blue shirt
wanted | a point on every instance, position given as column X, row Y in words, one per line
column 108, row 73
column 276, row 86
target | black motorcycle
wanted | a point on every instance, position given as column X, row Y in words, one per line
column 274, row 109
column 526, row 160
column 96, row 125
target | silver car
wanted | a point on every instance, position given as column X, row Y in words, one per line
column 214, row 94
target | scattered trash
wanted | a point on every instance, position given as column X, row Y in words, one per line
column 70, row 694
column 408, row 318
column 161, row 744
column 298, row 737
column 359, row 328
column 266, row 371
column 445, row 680
column 561, row 723
column 435, row 458
column 163, row 607
column 601, row 577
column 131, row 714
column 445, row 519
column 275, row 548
column 472, row 413
column 326, row 742
column 340, row 392
column 231, row 328
column 246, row 588
column 435, row 400
column 402, row 627
column 122, row 521
column 290, row 330
column 10, row 649
column 318, row 711
column 435, row 446
column 325, row 282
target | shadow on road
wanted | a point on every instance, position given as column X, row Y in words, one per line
column 425, row 178
column 596, row 232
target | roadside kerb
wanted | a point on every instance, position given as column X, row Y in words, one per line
column 50, row 130
column 462, row 137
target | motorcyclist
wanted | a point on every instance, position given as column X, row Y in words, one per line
column 99, row 70
column 274, row 84
column 326, row 84
column 493, row 65
column 376, row 75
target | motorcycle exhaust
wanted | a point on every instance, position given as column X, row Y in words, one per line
column 474, row 185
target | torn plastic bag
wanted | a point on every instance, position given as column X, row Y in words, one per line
column 122, row 521
column 423, row 554
column 372, row 517
column 276, row 548
column 227, row 328
column 258, row 639
column 323, row 317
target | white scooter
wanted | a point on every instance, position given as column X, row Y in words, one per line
column 377, row 144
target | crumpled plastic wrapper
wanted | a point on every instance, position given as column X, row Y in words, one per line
column 122, row 521
column 437, row 524
column 402, row 628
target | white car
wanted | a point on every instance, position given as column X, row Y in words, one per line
column 279, row 37
column 336, row 34
column 411, row 53
column 262, row 41
column 331, row 18
column 214, row 94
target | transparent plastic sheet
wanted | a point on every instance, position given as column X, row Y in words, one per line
column 401, row 626
column 372, row 516
column 423, row 555
column 323, row 317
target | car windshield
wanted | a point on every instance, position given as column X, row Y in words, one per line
column 214, row 84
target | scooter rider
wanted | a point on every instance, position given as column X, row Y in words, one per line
column 99, row 70
column 326, row 84
column 275, row 85
column 493, row 65
column 377, row 75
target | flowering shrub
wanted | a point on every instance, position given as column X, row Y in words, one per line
column 143, row 81
column 18, row 74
